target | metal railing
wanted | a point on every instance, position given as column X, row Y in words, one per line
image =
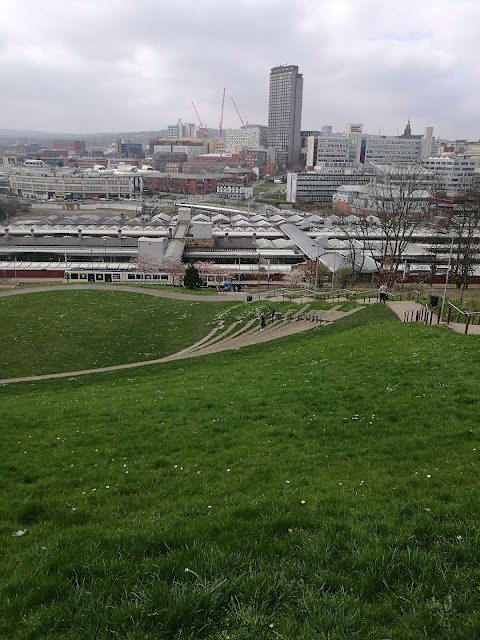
column 463, row 317
column 336, row 294
column 454, row 314
column 424, row 314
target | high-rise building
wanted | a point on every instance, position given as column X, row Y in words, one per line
column 285, row 114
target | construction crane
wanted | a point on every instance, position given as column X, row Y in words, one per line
column 220, row 126
column 244, row 122
column 203, row 126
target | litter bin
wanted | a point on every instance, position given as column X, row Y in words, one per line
column 249, row 298
column 434, row 301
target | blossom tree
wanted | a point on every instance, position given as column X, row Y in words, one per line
column 145, row 263
column 205, row 269
column 292, row 279
column 176, row 269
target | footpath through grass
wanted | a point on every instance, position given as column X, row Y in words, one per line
column 56, row 331
column 321, row 486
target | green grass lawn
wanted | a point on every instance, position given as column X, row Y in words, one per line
column 264, row 187
column 72, row 330
column 320, row 486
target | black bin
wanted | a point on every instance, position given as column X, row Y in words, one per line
column 434, row 301
column 249, row 298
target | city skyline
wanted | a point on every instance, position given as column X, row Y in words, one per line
column 87, row 67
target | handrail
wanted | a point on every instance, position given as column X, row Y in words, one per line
column 424, row 314
column 466, row 316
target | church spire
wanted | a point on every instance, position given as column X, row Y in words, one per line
column 408, row 130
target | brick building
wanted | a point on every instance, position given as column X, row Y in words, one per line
column 72, row 146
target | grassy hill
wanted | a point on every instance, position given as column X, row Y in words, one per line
column 321, row 486
column 72, row 330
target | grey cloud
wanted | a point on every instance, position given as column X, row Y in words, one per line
column 87, row 65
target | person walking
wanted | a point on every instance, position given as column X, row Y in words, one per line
column 383, row 293
column 263, row 321
column 273, row 316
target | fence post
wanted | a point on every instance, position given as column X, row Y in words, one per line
column 438, row 317
column 449, row 314
column 467, row 323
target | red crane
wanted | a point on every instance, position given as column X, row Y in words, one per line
column 203, row 126
column 220, row 126
column 244, row 123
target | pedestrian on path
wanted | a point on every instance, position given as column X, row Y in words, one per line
column 273, row 316
column 263, row 321
column 383, row 293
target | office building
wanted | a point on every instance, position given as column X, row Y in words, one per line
column 251, row 135
column 181, row 130
column 285, row 115
column 452, row 174
column 321, row 184
column 129, row 149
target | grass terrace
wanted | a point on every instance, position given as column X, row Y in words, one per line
column 323, row 486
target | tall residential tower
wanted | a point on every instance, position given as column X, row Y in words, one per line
column 285, row 115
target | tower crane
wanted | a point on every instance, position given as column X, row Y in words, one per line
column 220, row 126
column 244, row 122
column 203, row 126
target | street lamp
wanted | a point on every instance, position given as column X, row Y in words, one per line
column 316, row 276
column 446, row 280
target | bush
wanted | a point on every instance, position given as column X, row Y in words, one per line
column 191, row 278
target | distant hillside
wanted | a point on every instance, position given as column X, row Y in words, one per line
column 93, row 139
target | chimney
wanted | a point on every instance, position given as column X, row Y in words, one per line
column 79, row 233
column 7, row 233
column 119, row 233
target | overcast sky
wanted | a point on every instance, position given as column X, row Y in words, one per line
column 130, row 65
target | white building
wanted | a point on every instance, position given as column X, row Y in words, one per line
column 40, row 182
column 453, row 173
column 321, row 184
column 335, row 149
column 390, row 149
column 405, row 149
column 234, row 192
column 181, row 130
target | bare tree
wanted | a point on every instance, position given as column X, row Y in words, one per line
column 401, row 199
column 8, row 208
column 145, row 263
column 360, row 233
column 176, row 269
column 465, row 223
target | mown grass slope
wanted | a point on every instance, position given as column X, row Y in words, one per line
column 56, row 331
column 321, row 486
